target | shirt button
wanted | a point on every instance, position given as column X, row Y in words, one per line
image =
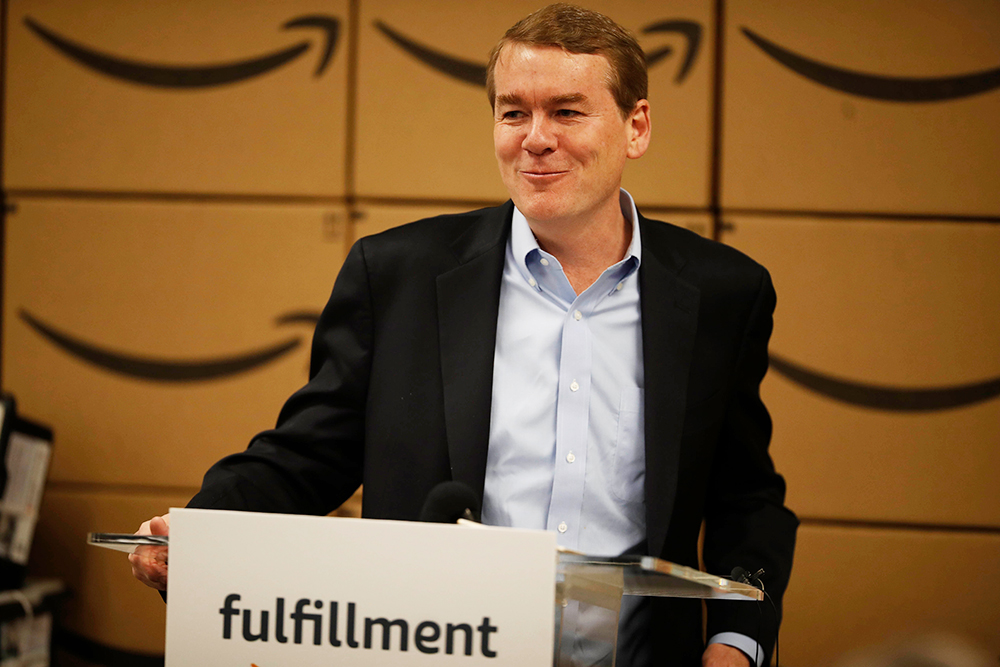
column 544, row 262
column 562, row 527
column 574, row 386
column 570, row 457
column 619, row 286
column 578, row 315
column 531, row 281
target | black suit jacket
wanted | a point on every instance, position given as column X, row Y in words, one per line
column 400, row 391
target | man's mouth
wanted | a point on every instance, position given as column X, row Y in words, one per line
column 542, row 175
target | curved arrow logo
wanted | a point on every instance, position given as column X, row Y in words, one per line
column 876, row 86
column 691, row 32
column 457, row 68
column 169, row 370
column 474, row 73
column 202, row 76
column 880, row 397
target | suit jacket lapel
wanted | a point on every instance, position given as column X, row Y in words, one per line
column 669, row 325
column 468, row 304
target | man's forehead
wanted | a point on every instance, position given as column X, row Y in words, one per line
column 565, row 74
column 555, row 56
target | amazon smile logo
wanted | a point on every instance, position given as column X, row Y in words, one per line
column 873, row 396
column 879, row 86
column 193, row 76
column 170, row 370
column 475, row 73
column 883, row 397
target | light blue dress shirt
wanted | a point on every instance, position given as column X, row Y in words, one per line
column 566, row 449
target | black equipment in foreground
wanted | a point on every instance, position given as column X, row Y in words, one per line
column 450, row 501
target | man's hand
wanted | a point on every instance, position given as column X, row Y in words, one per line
column 722, row 655
column 149, row 563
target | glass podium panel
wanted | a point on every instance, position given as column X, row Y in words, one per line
column 589, row 592
column 594, row 579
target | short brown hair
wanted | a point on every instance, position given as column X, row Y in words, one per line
column 579, row 30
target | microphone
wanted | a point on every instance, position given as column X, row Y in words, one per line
column 450, row 501
column 744, row 577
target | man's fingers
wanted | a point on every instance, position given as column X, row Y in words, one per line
column 149, row 563
column 160, row 525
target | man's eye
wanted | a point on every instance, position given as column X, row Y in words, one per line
column 512, row 115
column 567, row 113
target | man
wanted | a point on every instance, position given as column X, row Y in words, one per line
column 587, row 370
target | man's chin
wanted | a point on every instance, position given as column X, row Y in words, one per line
column 542, row 208
column 544, row 216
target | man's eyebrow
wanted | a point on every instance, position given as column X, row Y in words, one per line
column 574, row 98
column 513, row 99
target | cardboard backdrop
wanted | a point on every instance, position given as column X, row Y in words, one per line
column 861, row 587
column 106, row 608
column 883, row 331
column 855, row 106
column 207, row 97
column 155, row 337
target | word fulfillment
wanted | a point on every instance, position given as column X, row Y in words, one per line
column 427, row 636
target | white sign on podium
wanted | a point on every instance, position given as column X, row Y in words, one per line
column 276, row 590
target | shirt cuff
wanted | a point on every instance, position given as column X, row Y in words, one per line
column 739, row 641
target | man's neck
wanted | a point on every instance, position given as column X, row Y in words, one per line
column 585, row 248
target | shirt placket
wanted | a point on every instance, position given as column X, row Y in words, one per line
column 572, row 427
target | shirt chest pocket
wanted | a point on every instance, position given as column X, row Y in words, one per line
column 629, row 473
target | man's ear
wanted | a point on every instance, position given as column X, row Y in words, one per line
column 639, row 130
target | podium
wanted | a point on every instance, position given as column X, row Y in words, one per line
column 599, row 583
column 298, row 591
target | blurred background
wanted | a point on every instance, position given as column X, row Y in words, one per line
column 182, row 179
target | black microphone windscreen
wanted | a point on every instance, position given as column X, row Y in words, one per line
column 447, row 503
column 741, row 575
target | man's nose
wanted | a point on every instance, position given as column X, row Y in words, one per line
column 540, row 137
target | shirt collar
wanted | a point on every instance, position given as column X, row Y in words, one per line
column 523, row 242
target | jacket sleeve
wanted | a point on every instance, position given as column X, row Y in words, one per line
column 312, row 460
column 746, row 522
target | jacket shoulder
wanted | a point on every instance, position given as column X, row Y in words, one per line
column 431, row 246
column 693, row 255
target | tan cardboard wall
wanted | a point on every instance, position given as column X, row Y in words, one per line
column 843, row 144
column 857, row 586
column 182, row 287
column 280, row 131
column 794, row 141
column 897, row 304
column 106, row 608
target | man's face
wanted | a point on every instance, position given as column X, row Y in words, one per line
column 560, row 139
